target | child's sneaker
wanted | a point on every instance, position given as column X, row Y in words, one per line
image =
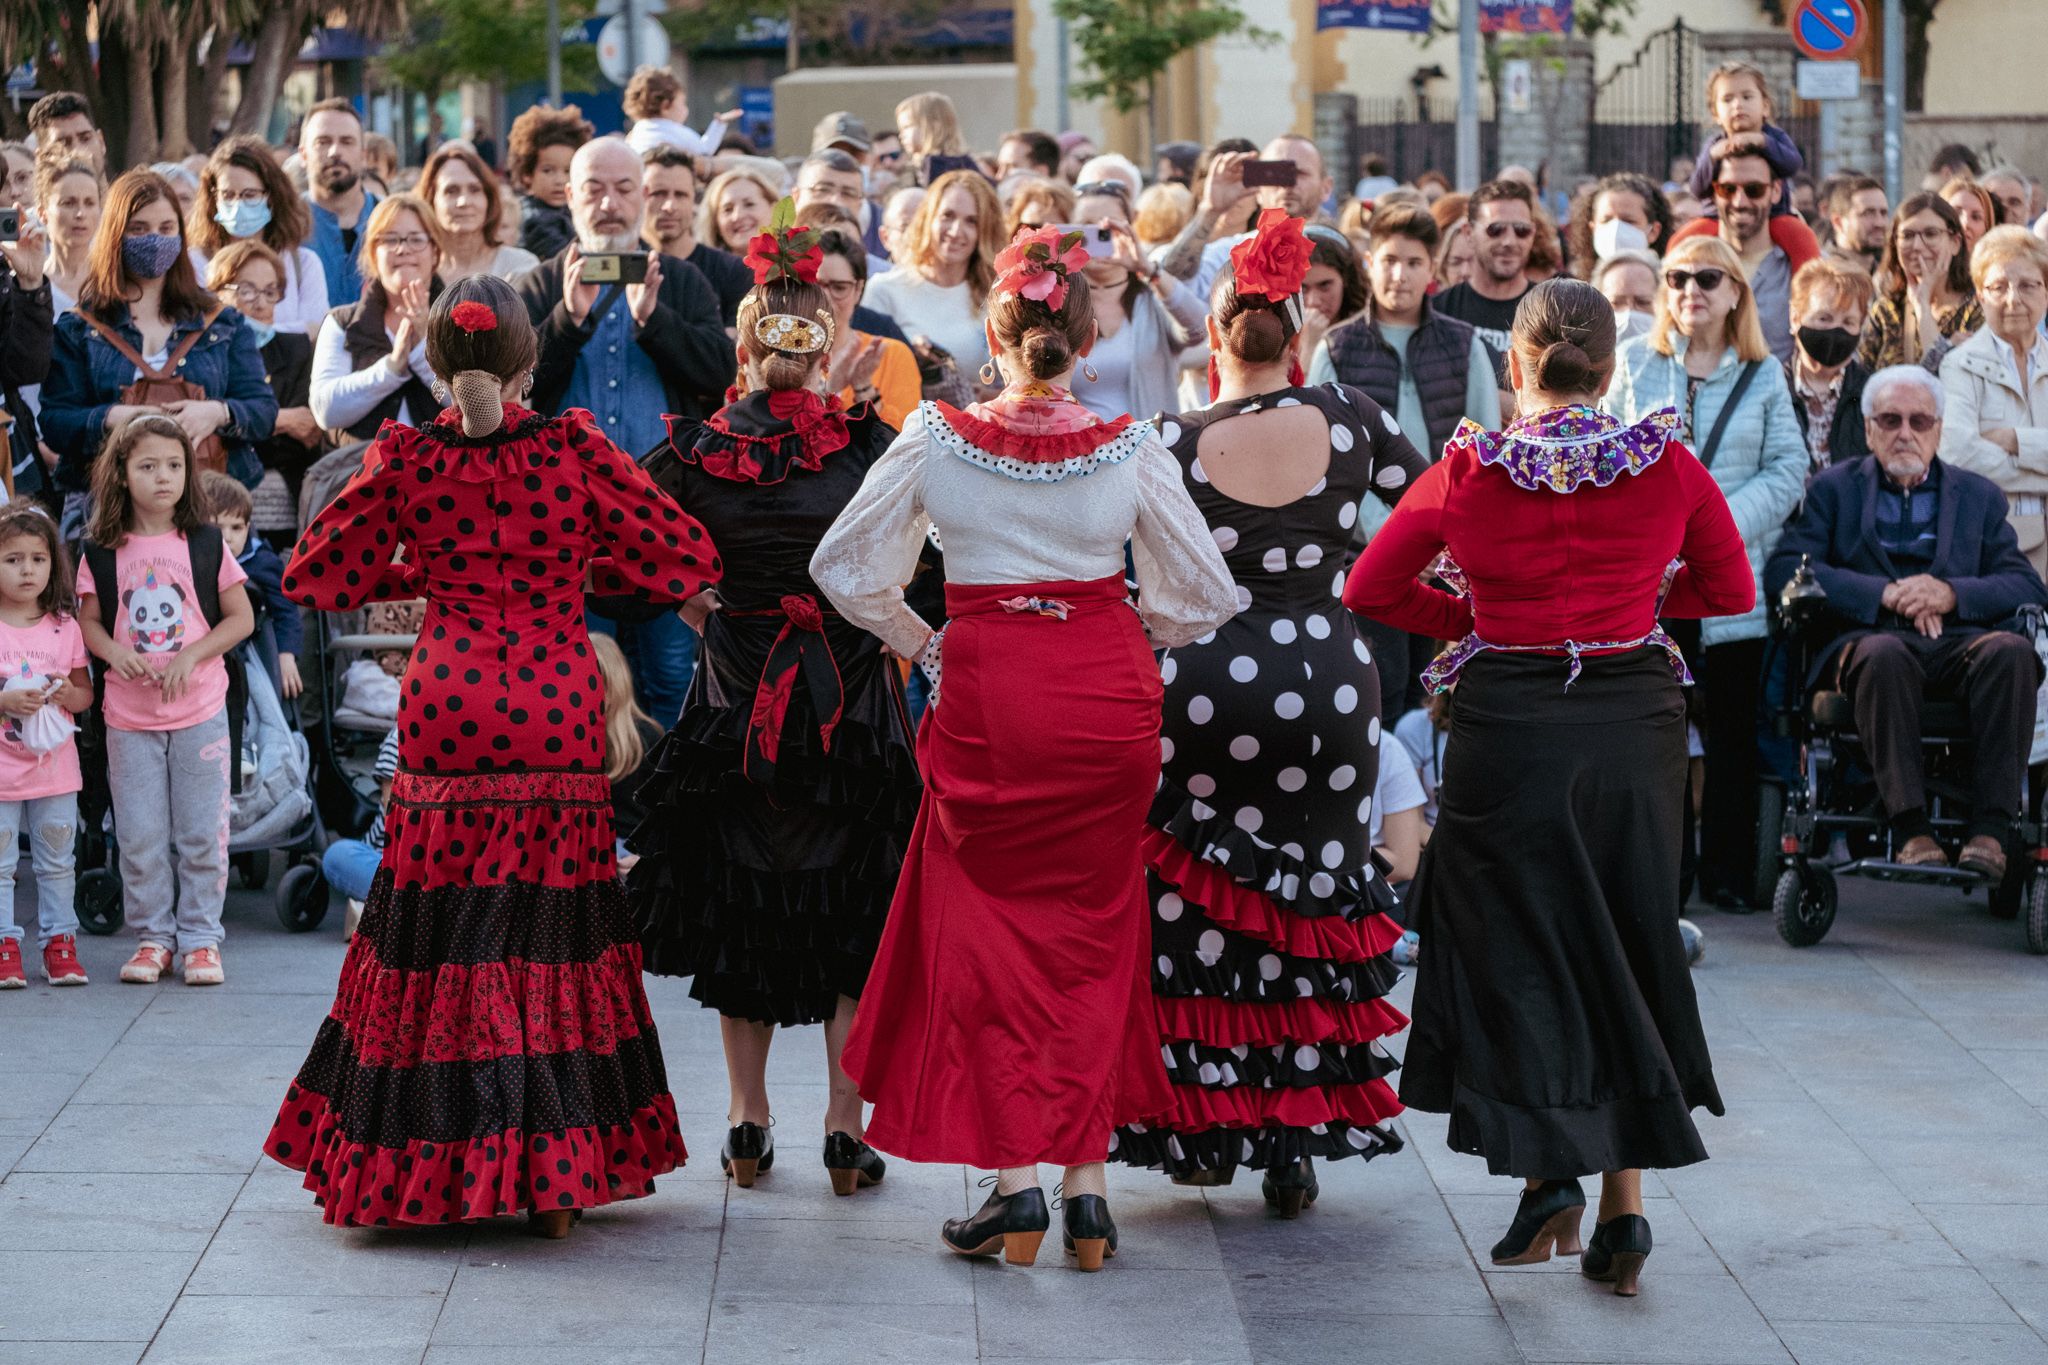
column 11, row 978
column 60, row 962
column 202, row 967
column 148, row 965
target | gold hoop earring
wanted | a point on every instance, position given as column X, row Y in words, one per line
column 1088, row 372
column 988, row 372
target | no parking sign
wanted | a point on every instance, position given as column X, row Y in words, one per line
column 1829, row 30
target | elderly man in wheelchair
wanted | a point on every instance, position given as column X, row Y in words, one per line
column 1927, row 600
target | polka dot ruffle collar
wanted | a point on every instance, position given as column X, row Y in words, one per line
column 1562, row 449
column 1031, row 458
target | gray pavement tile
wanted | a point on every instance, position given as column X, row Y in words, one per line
column 646, row 1229
column 521, row 1297
column 671, row 1354
column 1680, row 1249
column 810, row 1332
column 270, row 1330
column 72, row 1212
column 1759, row 998
column 1763, row 1218
column 1962, row 1171
column 1746, row 1071
column 842, row 1262
column 1289, row 1339
column 1118, row 1313
column 272, row 1188
column 1677, row 1320
column 1456, row 1173
column 1390, row 1285
column 1778, row 1134
column 231, row 1017
column 147, row 1137
column 2020, row 1027
column 1862, row 1293
column 88, row 1295
column 2008, row 1244
column 1160, row 1226
column 36, row 1095
column 71, row 1352
column 207, row 1074
column 798, row 1188
column 1405, row 1228
column 1824, row 1046
column 1860, row 1343
column 290, row 1254
column 2025, row 1071
column 13, row 1147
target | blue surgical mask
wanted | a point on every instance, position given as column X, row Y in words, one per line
column 244, row 217
column 263, row 331
column 149, row 257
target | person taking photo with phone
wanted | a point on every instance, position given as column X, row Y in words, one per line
column 1197, row 255
column 1144, row 317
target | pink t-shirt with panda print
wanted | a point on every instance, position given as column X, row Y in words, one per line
column 159, row 618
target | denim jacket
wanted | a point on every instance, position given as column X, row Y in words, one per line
column 344, row 277
column 87, row 376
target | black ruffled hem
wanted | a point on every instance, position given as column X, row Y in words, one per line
column 1254, row 972
column 420, row 929
column 1228, row 1149
column 1564, row 1141
column 1283, row 1066
column 1291, row 882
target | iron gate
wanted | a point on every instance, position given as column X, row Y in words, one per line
column 1646, row 111
column 1390, row 126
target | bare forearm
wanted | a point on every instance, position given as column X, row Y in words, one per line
column 1183, row 258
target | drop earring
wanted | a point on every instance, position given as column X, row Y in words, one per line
column 1088, row 372
column 988, row 372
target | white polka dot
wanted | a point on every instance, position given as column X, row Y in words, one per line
column 1208, row 1074
column 1244, row 598
column 1169, row 432
column 1269, row 967
column 1249, row 819
column 1304, row 987
column 1287, row 403
column 1294, row 851
column 1209, row 947
column 1196, row 472
column 1168, row 669
column 1393, row 476
column 1307, row 1058
column 1357, row 1138
column 1165, row 749
column 1308, row 556
column 1347, row 515
column 1291, row 779
column 1226, row 538
column 1208, row 639
column 1364, row 654
column 1283, row 631
column 1274, row 560
column 1341, row 438
column 1343, row 777
column 1287, row 705
column 1333, row 854
column 1321, row 485
column 1200, row 708
column 1203, row 811
column 1337, row 584
column 1393, row 427
column 1244, row 748
column 1317, row 626
column 1290, row 886
column 1170, row 907
column 1322, row 884
column 1372, row 729
column 1165, row 965
column 1347, row 699
column 1365, row 811
column 1243, row 668
column 1201, row 784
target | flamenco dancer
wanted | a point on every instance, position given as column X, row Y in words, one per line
column 1006, row 1022
column 490, row 1048
column 783, row 798
column 1555, row 1020
column 1269, row 931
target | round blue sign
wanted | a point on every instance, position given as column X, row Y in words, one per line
column 1828, row 28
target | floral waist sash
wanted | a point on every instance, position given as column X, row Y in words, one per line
column 1443, row 670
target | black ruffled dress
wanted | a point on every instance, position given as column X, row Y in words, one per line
column 781, row 802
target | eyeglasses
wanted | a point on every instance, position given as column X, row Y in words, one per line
column 249, row 293
column 1921, row 422
column 1923, row 236
column 410, row 241
column 2011, row 288
column 1523, row 231
column 1708, row 279
column 1116, row 188
column 239, row 196
column 1756, row 191
column 840, row 289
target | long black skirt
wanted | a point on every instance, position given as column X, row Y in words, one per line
column 1554, row 1014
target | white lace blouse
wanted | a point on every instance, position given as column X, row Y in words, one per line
column 1030, row 524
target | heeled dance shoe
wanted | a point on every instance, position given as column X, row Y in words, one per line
column 749, row 1151
column 1547, row 1219
column 851, row 1163
column 1289, row 1189
column 1616, row 1251
column 1013, row 1223
column 1090, row 1232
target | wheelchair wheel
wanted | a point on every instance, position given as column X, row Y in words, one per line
column 253, row 868
column 1770, row 835
column 2010, row 895
column 98, row 900
column 302, row 895
column 1803, row 904
column 2037, row 915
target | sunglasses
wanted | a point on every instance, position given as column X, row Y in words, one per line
column 1116, row 188
column 1753, row 190
column 1921, row 422
column 1708, row 279
column 1523, row 231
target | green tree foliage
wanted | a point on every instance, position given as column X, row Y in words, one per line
column 1125, row 45
column 502, row 41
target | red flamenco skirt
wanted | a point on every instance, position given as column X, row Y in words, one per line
column 1008, row 1018
column 490, row 1049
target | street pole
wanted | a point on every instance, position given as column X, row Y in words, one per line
column 555, row 53
column 1065, row 116
column 631, row 11
column 1894, row 99
column 1468, row 94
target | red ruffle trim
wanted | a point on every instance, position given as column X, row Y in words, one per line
column 465, row 845
column 1199, row 1107
column 1232, row 905
column 817, row 428
column 357, row 1184
column 1228, row 1023
column 441, row 446
column 489, row 1010
column 1016, row 445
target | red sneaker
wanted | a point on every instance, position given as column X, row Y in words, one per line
column 60, row 962
column 11, row 978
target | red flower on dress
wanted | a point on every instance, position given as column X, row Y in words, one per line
column 1036, row 265
column 793, row 255
column 474, row 317
column 1274, row 260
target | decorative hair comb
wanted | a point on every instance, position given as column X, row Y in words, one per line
column 1272, row 263
column 1037, row 265
column 791, row 334
column 785, row 251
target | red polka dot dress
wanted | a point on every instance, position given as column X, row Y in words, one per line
column 490, row 1048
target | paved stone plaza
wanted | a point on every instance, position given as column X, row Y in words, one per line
column 1878, row 1193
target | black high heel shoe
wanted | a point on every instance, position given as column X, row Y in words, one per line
column 1547, row 1219
column 1016, row 1223
column 852, row 1163
column 749, row 1151
column 1616, row 1251
column 1090, row 1232
column 1290, row 1188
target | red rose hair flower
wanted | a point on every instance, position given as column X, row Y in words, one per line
column 793, row 254
column 1037, row 265
column 1274, row 260
column 474, row 317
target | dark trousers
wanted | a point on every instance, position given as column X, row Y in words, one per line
column 1729, row 678
column 1996, row 673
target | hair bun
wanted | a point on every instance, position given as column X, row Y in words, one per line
column 1564, row 368
column 1046, row 352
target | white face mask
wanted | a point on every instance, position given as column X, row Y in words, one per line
column 1629, row 323
column 1617, row 235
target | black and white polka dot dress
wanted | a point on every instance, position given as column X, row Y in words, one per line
column 1270, row 936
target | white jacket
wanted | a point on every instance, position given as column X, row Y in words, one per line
column 1983, row 395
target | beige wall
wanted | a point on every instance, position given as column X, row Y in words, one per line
column 1986, row 57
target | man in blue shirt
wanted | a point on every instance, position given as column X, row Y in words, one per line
column 331, row 145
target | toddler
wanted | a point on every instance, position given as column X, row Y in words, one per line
column 350, row 865
column 657, row 105
column 43, row 662
column 1739, row 103
column 230, row 508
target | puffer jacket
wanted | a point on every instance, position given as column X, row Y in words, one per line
column 1761, row 462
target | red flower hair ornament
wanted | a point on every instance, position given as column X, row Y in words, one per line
column 1272, row 262
column 1037, row 265
column 792, row 254
column 473, row 317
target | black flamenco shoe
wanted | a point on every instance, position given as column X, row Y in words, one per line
column 749, row 1151
column 1547, row 1218
column 1014, row 1223
column 1090, row 1231
column 851, row 1163
column 1616, row 1251
column 1289, row 1189
column 1206, row 1179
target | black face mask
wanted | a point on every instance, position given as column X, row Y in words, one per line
column 1828, row 347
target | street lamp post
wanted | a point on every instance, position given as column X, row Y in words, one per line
column 1894, row 99
column 1468, row 94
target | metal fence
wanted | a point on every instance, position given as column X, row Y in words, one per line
column 1411, row 144
column 1648, row 112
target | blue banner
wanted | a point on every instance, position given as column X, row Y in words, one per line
column 1525, row 16
column 1392, row 16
